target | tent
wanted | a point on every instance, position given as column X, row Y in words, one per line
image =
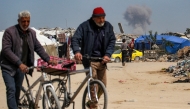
column 41, row 38
column 1, row 36
column 49, row 46
column 177, row 42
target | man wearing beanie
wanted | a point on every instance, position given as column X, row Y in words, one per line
column 97, row 39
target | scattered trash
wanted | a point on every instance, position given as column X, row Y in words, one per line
column 153, row 83
column 182, row 69
column 121, row 81
column 132, row 100
column 186, row 89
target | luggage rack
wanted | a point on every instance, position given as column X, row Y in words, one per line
column 61, row 69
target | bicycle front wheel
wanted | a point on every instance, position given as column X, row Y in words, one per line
column 60, row 90
column 99, row 97
column 25, row 101
column 53, row 100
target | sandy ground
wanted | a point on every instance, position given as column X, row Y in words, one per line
column 138, row 85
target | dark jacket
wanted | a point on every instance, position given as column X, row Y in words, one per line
column 10, row 57
column 84, row 37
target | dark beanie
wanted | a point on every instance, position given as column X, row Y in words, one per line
column 99, row 11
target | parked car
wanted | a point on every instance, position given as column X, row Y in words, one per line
column 117, row 55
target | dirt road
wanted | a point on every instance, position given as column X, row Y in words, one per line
column 138, row 85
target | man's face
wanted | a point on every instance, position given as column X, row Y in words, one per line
column 24, row 23
column 99, row 20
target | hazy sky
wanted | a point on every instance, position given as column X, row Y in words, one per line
column 136, row 16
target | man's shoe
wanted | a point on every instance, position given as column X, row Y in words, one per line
column 91, row 105
column 123, row 64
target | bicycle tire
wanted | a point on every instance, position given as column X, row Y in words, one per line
column 54, row 102
column 60, row 90
column 103, row 98
column 26, row 102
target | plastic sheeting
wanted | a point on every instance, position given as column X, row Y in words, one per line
column 177, row 42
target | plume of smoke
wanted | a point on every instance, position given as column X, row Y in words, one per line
column 138, row 17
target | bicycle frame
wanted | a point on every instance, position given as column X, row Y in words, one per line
column 87, row 79
column 44, row 83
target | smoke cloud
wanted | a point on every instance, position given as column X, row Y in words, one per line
column 138, row 17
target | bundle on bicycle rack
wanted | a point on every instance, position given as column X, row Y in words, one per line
column 60, row 69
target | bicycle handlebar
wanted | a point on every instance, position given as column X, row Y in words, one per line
column 32, row 67
column 92, row 58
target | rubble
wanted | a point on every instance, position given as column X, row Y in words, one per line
column 182, row 59
column 184, row 52
column 182, row 69
column 162, row 58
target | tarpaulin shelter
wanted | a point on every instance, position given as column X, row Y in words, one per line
column 177, row 42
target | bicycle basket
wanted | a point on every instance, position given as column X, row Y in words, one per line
column 55, row 70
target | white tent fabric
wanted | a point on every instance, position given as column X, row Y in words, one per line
column 52, row 32
column 48, row 45
column 1, row 36
column 41, row 38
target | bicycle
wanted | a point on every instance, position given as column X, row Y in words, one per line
column 27, row 99
column 96, row 86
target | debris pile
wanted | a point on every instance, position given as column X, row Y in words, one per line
column 163, row 58
column 184, row 52
column 182, row 69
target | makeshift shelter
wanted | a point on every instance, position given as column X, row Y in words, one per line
column 49, row 46
column 177, row 42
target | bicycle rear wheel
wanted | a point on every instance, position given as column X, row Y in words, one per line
column 53, row 100
column 101, row 93
column 25, row 102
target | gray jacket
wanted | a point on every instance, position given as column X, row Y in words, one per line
column 10, row 57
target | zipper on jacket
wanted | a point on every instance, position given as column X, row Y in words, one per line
column 92, row 43
column 28, row 42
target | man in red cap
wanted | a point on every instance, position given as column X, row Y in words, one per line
column 97, row 39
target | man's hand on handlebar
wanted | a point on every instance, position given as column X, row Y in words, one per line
column 52, row 62
column 106, row 59
column 23, row 68
column 78, row 56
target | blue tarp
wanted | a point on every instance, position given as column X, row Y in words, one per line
column 177, row 42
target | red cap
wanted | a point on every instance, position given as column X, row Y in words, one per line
column 99, row 11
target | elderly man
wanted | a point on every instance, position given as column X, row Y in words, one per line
column 18, row 45
column 97, row 39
